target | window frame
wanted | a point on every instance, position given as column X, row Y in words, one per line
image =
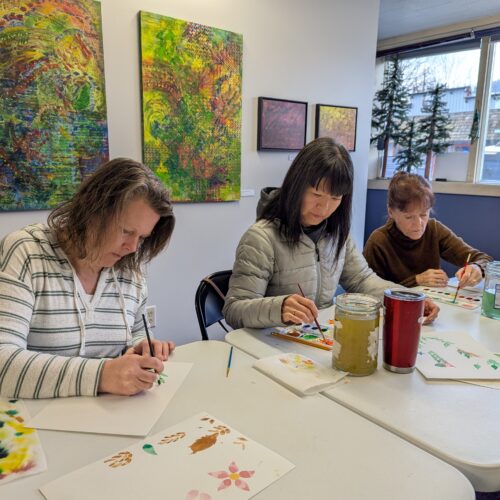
column 444, row 45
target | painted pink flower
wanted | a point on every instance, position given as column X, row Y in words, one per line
column 192, row 494
column 235, row 475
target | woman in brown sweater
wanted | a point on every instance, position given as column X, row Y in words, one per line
column 408, row 248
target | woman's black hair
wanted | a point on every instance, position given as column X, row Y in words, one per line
column 320, row 161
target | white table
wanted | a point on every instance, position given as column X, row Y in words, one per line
column 455, row 421
column 337, row 453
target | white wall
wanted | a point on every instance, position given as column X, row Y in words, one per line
column 320, row 51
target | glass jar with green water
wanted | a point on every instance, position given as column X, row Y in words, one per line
column 355, row 344
column 491, row 294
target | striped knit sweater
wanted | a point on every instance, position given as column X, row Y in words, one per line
column 54, row 338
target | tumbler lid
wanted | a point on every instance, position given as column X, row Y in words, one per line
column 408, row 295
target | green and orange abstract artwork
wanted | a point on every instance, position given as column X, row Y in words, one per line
column 53, row 125
column 191, row 107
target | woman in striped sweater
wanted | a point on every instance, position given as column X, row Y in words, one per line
column 72, row 292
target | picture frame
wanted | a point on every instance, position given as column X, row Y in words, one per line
column 282, row 124
column 337, row 122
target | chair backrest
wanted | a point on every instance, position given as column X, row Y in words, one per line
column 209, row 300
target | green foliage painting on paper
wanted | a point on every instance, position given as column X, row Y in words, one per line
column 191, row 105
column 53, row 128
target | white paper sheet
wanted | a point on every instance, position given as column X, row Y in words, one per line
column 21, row 453
column 456, row 355
column 299, row 373
column 111, row 414
column 199, row 458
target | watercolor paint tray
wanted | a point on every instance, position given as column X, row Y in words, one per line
column 306, row 334
column 467, row 298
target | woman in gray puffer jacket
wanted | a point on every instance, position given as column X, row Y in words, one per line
column 301, row 237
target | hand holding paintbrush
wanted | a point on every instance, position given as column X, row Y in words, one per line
column 318, row 326
column 464, row 269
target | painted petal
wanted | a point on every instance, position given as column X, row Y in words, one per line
column 247, row 473
column 192, row 495
column 242, row 485
column 233, row 467
column 205, row 496
column 225, row 484
column 221, row 474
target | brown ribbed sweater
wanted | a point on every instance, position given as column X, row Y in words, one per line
column 397, row 258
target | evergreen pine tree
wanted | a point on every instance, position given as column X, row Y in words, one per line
column 390, row 108
column 409, row 158
column 435, row 126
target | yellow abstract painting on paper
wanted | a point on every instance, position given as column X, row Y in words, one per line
column 21, row 453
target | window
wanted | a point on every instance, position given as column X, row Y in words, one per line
column 473, row 116
column 489, row 165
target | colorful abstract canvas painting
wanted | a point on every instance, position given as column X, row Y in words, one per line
column 337, row 122
column 199, row 458
column 21, row 453
column 191, row 107
column 281, row 124
column 53, row 126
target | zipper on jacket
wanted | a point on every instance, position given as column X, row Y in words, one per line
column 318, row 273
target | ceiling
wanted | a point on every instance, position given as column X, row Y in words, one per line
column 401, row 17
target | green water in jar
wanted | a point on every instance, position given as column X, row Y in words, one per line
column 488, row 305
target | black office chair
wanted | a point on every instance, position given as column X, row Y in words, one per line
column 209, row 300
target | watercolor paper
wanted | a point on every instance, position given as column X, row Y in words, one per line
column 299, row 373
column 111, row 414
column 199, row 458
column 455, row 355
column 21, row 453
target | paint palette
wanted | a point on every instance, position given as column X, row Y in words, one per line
column 307, row 334
column 468, row 298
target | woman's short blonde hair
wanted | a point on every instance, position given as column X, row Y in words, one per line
column 80, row 224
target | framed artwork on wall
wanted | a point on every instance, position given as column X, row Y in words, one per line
column 53, row 120
column 337, row 122
column 191, row 78
column 281, row 125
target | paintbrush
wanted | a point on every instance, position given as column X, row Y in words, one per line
column 458, row 285
column 318, row 326
column 151, row 352
column 229, row 361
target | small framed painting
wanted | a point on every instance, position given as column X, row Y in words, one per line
column 281, row 125
column 337, row 122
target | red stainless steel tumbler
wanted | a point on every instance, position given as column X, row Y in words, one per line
column 404, row 313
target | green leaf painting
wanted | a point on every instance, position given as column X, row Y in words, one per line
column 53, row 128
column 191, row 105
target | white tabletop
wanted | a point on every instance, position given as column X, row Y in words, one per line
column 457, row 422
column 337, row 454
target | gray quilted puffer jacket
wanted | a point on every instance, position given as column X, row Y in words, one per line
column 266, row 271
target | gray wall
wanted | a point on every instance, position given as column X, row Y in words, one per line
column 321, row 51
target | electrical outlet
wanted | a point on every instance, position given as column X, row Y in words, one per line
column 151, row 316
